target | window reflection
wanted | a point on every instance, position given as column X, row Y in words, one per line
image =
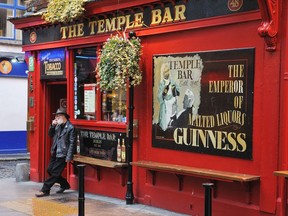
column 6, row 27
column 18, row 36
column 6, row 1
column 85, row 102
column 113, row 102
column 21, row 2
column 114, row 105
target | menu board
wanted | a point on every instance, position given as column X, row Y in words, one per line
column 89, row 98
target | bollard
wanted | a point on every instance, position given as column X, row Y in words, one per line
column 208, row 200
column 22, row 172
column 81, row 197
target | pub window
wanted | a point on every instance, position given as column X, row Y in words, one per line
column 18, row 33
column 114, row 105
column 113, row 102
column 8, row 9
column 6, row 27
column 85, row 100
column 7, row 1
column 21, row 2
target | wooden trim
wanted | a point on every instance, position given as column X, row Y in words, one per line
column 98, row 162
column 206, row 173
column 283, row 173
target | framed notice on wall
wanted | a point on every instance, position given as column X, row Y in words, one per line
column 89, row 98
column 203, row 102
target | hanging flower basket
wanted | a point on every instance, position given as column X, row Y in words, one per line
column 64, row 10
column 119, row 61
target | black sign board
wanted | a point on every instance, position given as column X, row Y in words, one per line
column 52, row 64
column 100, row 144
column 144, row 16
column 203, row 102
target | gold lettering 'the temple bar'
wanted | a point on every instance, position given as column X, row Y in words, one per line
column 124, row 22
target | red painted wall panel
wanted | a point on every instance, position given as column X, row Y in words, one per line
column 265, row 130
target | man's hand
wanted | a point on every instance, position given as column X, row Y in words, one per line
column 54, row 122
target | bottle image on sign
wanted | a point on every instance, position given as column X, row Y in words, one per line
column 123, row 151
column 119, row 154
column 78, row 145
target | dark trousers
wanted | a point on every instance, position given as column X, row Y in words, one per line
column 55, row 169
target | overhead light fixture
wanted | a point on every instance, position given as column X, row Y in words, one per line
column 14, row 60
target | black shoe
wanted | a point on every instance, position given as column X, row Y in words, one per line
column 61, row 190
column 42, row 194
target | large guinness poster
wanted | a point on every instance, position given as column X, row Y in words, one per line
column 203, row 102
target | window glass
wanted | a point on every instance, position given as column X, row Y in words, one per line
column 19, row 13
column 7, row 1
column 85, row 100
column 21, row 3
column 6, row 27
column 18, row 36
column 114, row 105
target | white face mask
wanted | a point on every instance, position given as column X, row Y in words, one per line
column 60, row 121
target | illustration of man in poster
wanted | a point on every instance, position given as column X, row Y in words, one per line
column 185, row 116
column 167, row 96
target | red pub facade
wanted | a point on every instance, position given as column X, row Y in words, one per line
column 211, row 106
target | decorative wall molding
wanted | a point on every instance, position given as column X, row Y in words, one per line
column 270, row 22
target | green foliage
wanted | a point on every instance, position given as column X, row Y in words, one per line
column 64, row 10
column 119, row 61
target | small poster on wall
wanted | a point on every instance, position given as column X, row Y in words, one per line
column 52, row 64
column 89, row 99
column 203, row 102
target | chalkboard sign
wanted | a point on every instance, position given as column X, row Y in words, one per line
column 100, row 144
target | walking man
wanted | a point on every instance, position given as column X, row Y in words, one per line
column 62, row 149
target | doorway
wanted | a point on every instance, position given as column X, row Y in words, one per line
column 56, row 94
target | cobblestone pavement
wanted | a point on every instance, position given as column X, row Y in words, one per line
column 8, row 168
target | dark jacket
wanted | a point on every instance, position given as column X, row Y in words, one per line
column 184, row 118
column 63, row 140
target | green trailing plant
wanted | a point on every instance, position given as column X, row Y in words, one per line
column 64, row 10
column 119, row 62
